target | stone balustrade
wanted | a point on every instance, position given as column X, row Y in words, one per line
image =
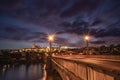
column 77, row 70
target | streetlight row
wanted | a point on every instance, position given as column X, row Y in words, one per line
column 51, row 39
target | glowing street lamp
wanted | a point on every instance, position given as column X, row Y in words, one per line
column 87, row 41
column 50, row 39
column 87, row 37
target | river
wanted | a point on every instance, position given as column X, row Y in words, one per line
column 23, row 72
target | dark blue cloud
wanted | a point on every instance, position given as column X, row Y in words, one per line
column 98, row 42
column 80, row 6
column 33, row 20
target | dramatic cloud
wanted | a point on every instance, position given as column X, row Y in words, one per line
column 33, row 20
column 98, row 42
column 81, row 6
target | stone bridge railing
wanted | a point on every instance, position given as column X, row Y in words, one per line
column 77, row 70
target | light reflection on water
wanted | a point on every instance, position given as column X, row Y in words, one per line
column 44, row 76
column 23, row 72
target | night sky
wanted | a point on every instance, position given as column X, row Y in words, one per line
column 25, row 22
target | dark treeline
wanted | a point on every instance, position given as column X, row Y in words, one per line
column 9, row 57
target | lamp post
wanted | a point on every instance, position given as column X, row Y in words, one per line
column 51, row 39
column 87, row 42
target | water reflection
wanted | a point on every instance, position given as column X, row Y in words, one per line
column 23, row 72
column 44, row 76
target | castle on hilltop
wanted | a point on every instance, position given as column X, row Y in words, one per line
column 34, row 47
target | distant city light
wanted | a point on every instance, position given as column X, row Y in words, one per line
column 65, row 47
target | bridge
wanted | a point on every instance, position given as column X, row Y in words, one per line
column 87, row 67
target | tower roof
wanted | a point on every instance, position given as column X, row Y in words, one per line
column 35, row 46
